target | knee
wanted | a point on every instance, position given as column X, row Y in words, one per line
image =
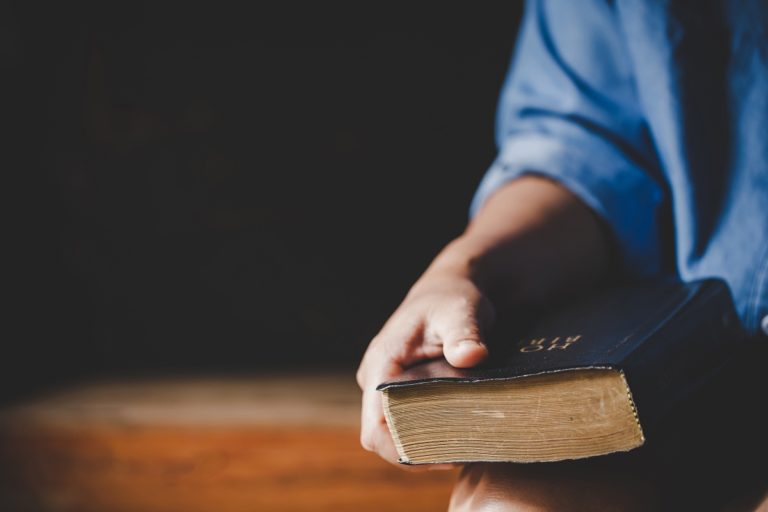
column 494, row 487
column 488, row 488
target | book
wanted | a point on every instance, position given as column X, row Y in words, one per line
column 590, row 378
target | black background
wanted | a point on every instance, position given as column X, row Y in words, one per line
column 210, row 188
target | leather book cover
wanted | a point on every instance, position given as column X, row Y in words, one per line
column 668, row 337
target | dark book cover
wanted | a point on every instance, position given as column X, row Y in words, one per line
column 668, row 337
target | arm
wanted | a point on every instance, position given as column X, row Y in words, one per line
column 532, row 238
column 573, row 147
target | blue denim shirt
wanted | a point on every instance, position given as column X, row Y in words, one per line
column 656, row 115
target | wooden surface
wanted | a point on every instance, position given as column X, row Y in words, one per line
column 202, row 444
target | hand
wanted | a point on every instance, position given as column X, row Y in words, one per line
column 444, row 314
column 531, row 240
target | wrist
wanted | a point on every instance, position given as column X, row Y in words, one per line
column 460, row 258
column 532, row 240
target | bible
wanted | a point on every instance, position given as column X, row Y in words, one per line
column 590, row 378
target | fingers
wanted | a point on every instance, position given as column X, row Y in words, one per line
column 465, row 353
column 376, row 368
column 460, row 330
column 446, row 321
column 374, row 434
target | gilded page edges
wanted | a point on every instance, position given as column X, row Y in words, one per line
column 402, row 457
column 633, row 407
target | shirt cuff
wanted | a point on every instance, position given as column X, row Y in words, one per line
column 617, row 189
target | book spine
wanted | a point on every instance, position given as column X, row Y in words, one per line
column 683, row 355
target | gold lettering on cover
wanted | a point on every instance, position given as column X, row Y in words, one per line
column 537, row 344
column 533, row 345
column 569, row 340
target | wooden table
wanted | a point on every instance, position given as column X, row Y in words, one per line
column 228, row 444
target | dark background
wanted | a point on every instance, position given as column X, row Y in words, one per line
column 217, row 189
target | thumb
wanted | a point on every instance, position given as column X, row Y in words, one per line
column 460, row 330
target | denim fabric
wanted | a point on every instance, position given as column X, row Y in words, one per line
column 655, row 113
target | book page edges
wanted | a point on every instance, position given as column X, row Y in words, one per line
column 404, row 459
column 631, row 401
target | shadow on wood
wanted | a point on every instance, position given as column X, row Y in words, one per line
column 200, row 444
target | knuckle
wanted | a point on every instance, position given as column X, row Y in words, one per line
column 367, row 442
column 461, row 308
column 376, row 340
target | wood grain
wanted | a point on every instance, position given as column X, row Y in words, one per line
column 248, row 444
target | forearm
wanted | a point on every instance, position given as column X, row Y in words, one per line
column 531, row 239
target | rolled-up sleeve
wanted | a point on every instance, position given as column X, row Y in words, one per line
column 568, row 111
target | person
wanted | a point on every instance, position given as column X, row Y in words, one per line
column 632, row 143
